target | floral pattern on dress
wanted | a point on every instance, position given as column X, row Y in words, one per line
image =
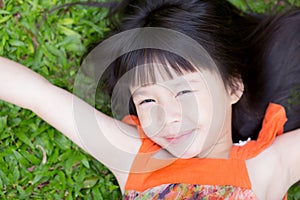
column 181, row 191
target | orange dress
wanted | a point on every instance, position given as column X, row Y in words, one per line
column 199, row 178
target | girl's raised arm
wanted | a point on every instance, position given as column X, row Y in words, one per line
column 104, row 140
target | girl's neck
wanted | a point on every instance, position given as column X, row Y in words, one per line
column 221, row 150
column 222, row 147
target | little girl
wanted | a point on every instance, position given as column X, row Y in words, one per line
column 184, row 125
column 177, row 144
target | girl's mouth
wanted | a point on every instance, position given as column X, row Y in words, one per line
column 177, row 138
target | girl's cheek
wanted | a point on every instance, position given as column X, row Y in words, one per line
column 152, row 119
column 198, row 108
column 146, row 119
column 191, row 106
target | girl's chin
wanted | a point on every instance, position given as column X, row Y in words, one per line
column 184, row 154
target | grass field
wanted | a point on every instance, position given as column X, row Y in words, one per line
column 36, row 161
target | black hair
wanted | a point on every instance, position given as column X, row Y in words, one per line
column 273, row 76
column 214, row 24
column 254, row 48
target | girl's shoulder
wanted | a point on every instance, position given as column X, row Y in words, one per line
column 268, row 174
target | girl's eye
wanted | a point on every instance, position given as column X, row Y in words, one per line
column 183, row 92
column 147, row 101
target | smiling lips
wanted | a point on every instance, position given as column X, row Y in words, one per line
column 178, row 138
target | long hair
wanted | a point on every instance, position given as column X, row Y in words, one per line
column 273, row 76
column 214, row 24
column 259, row 49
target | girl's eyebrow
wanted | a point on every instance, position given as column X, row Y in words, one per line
column 192, row 80
column 139, row 92
column 137, row 89
column 175, row 84
column 195, row 80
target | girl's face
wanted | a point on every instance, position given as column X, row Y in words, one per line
column 177, row 114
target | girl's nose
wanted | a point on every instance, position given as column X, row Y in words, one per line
column 170, row 111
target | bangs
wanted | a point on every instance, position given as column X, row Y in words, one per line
column 149, row 66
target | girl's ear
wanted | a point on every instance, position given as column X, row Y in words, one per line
column 236, row 90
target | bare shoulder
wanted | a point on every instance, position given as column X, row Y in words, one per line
column 274, row 170
column 287, row 147
column 268, row 174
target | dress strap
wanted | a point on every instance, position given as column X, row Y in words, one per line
column 272, row 126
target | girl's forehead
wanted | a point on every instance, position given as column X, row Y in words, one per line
column 177, row 81
column 183, row 79
column 163, row 71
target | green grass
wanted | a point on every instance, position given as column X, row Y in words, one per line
column 36, row 161
column 52, row 45
column 265, row 6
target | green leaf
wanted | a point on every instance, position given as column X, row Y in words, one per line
column 66, row 21
column 75, row 47
column 61, row 178
column 22, row 193
column 20, row 158
column 24, row 138
column 16, row 174
column 4, row 178
column 37, row 178
column 85, row 162
column 97, row 194
column 90, row 182
column 62, row 142
column 30, row 157
column 4, row 12
column 16, row 43
column 5, row 19
column 72, row 160
column 53, row 50
column 1, row 185
column 3, row 123
column 30, row 48
column 67, row 31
